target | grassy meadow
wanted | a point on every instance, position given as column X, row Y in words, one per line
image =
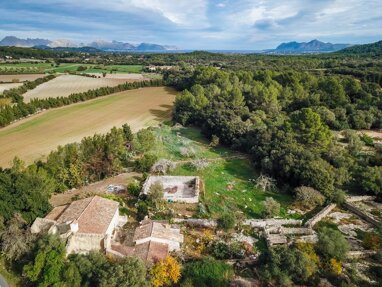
column 226, row 169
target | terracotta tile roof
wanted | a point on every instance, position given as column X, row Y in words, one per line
column 157, row 230
column 56, row 212
column 93, row 214
column 151, row 251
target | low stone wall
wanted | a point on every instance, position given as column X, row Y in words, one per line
column 194, row 222
column 361, row 253
column 360, row 198
column 297, row 231
column 262, row 223
column 307, row 238
column 364, row 215
column 320, row 215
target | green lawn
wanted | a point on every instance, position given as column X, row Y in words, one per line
column 224, row 169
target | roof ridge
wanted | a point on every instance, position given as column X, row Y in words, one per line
column 152, row 228
column 83, row 211
column 148, row 250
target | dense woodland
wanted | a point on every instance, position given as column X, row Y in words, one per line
column 284, row 121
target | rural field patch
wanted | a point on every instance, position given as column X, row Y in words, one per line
column 4, row 87
column 20, row 77
column 33, row 138
column 64, row 85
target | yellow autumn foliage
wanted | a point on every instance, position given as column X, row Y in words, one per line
column 165, row 272
column 335, row 266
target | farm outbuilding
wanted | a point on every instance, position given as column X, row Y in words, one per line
column 176, row 188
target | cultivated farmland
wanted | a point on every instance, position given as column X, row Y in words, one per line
column 4, row 87
column 20, row 77
column 33, row 138
column 64, row 85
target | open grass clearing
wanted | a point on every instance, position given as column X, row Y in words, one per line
column 226, row 185
column 34, row 137
column 64, row 85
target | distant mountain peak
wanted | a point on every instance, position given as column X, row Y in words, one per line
column 100, row 44
column 313, row 46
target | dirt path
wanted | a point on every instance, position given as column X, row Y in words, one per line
column 97, row 187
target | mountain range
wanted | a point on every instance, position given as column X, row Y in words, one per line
column 101, row 45
column 313, row 46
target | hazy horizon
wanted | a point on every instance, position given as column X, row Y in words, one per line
column 196, row 25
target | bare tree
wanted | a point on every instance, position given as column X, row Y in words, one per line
column 163, row 166
column 16, row 239
column 200, row 164
column 265, row 183
column 156, row 194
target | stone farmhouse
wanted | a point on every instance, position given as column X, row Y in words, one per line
column 153, row 241
column 86, row 224
column 176, row 188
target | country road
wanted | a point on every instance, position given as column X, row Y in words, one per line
column 3, row 283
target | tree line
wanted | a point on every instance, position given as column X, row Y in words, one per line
column 16, row 94
column 8, row 114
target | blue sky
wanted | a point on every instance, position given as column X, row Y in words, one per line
column 195, row 24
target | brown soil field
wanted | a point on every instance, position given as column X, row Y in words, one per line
column 64, row 85
column 33, row 138
column 20, row 77
column 4, row 87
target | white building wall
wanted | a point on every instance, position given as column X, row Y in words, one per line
column 114, row 223
column 84, row 243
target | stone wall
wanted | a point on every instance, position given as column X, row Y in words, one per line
column 83, row 243
column 320, row 215
column 262, row 223
column 360, row 198
column 195, row 222
column 364, row 215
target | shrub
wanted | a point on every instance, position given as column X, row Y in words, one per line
column 146, row 162
column 214, row 141
column 371, row 241
column 222, row 250
column 332, row 244
column 200, row 164
column 271, row 208
column 309, row 197
column 187, row 151
column 134, row 188
column 208, row 273
column 156, row 193
column 367, row 140
column 227, row 221
column 142, row 210
column 163, row 166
